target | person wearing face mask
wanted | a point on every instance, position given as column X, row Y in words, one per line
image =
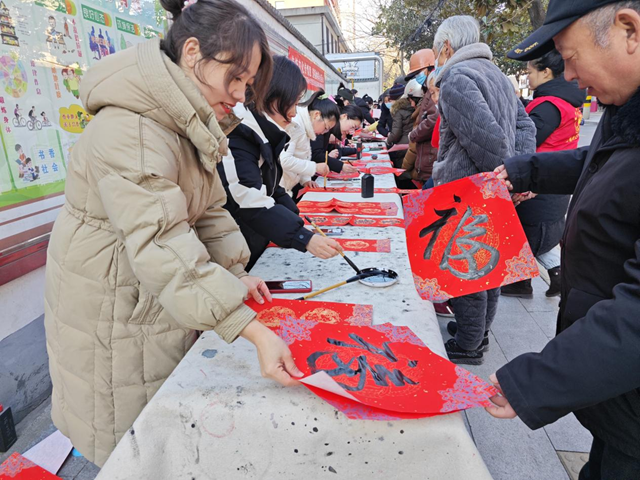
column 316, row 116
column 251, row 171
column 334, row 141
column 421, row 155
column 143, row 254
column 555, row 110
column 385, row 123
column 482, row 123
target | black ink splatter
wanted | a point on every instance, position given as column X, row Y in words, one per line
column 209, row 353
column 332, row 470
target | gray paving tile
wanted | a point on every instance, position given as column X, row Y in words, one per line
column 547, row 322
column 573, row 462
column 540, row 303
column 518, row 334
column 512, row 451
column 568, row 435
column 34, row 428
column 72, row 467
column 89, row 472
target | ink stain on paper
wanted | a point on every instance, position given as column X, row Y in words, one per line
column 273, row 422
column 209, row 353
column 332, row 470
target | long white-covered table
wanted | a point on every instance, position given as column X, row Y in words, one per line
column 217, row 418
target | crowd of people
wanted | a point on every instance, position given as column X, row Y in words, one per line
column 201, row 141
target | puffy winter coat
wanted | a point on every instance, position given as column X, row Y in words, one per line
column 482, row 121
column 420, row 163
column 401, row 112
column 251, row 173
column 143, row 253
column 297, row 167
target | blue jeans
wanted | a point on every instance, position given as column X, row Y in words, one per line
column 428, row 184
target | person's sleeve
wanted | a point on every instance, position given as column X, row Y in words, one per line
column 525, row 132
column 555, row 173
column 219, row 233
column 473, row 123
column 148, row 212
column 296, row 165
column 396, row 130
column 424, row 131
column 409, row 160
column 384, row 124
column 367, row 116
column 274, row 221
column 594, row 360
column 319, row 148
column 546, row 117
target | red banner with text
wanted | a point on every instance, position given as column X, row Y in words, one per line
column 313, row 73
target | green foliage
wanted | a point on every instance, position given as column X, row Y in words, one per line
column 503, row 24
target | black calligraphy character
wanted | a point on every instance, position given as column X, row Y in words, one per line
column 436, row 226
column 380, row 374
column 469, row 248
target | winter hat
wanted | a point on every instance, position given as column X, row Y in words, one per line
column 396, row 91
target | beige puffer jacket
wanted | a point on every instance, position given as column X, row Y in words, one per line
column 143, row 252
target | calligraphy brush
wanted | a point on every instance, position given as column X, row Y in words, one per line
column 355, row 278
column 347, row 259
column 326, row 162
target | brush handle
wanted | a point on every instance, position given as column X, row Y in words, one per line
column 347, row 259
column 314, row 294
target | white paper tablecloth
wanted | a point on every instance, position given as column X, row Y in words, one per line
column 217, row 418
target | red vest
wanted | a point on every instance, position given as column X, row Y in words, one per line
column 566, row 136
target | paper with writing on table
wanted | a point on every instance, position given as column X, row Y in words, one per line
column 379, row 372
column 399, row 147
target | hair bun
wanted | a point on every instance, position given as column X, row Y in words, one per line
column 174, row 7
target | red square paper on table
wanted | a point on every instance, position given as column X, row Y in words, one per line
column 465, row 237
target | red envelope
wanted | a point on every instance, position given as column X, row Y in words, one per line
column 21, row 468
column 364, row 208
column 338, row 221
column 465, row 237
column 271, row 314
column 385, row 368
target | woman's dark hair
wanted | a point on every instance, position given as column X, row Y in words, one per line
column 227, row 33
column 286, row 87
column 552, row 60
column 353, row 112
column 328, row 108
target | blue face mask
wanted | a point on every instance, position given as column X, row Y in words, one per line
column 388, row 105
column 438, row 66
column 421, row 78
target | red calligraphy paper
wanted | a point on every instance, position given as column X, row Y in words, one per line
column 354, row 190
column 384, row 368
column 358, row 245
column 383, row 171
column 19, row 467
column 271, row 314
column 341, row 221
column 359, row 208
column 342, row 176
column 465, row 237
column 371, row 163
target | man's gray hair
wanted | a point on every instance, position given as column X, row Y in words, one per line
column 601, row 20
column 460, row 30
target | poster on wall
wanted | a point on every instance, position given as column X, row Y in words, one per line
column 46, row 47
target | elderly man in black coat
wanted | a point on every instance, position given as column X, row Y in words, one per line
column 592, row 367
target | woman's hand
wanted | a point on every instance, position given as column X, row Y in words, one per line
column 257, row 289
column 323, row 247
column 310, row 184
column 274, row 356
column 501, row 407
column 334, row 153
column 322, row 169
column 518, row 198
column 346, row 168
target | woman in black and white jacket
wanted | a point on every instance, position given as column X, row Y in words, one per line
column 251, row 172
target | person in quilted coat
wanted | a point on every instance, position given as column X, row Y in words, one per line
column 143, row 254
column 482, row 124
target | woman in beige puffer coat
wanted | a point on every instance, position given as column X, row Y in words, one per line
column 143, row 253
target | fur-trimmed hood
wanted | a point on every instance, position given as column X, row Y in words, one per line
column 402, row 104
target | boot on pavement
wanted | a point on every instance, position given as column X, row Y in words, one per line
column 452, row 328
column 554, row 284
column 521, row 289
column 459, row 355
